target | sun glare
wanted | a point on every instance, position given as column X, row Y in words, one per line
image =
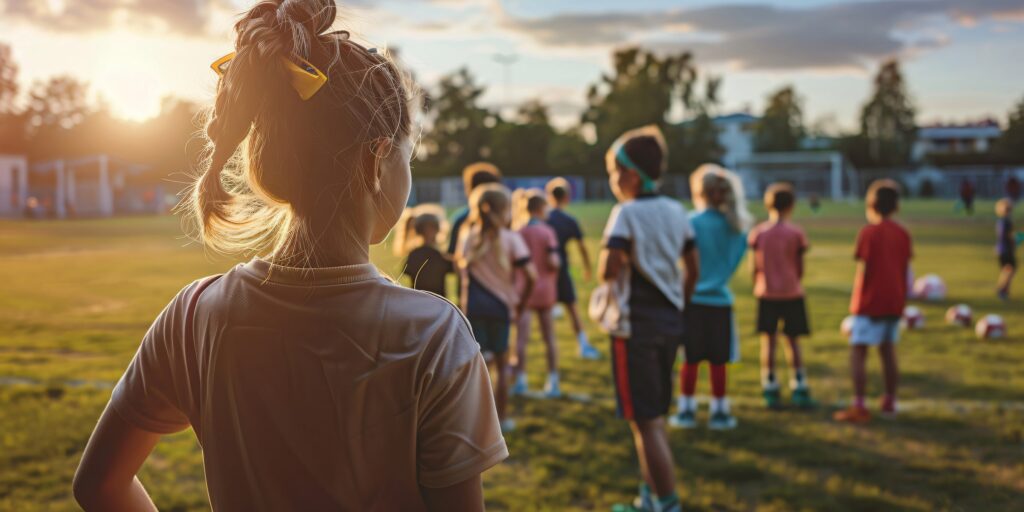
column 129, row 76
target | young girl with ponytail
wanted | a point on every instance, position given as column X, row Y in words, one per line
column 721, row 224
column 418, row 237
column 311, row 381
column 489, row 255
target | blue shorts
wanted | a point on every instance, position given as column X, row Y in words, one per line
column 566, row 288
column 875, row 330
column 491, row 334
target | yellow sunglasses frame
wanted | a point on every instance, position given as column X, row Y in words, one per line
column 307, row 82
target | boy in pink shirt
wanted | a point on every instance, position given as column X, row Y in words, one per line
column 778, row 248
column 542, row 242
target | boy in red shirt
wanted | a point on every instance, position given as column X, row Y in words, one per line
column 879, row 295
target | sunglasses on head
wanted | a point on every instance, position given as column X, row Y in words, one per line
column 306, row 78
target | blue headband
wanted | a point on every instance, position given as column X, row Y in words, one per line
column 647, row 184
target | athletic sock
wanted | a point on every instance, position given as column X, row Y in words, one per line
column 720, row 405
column 718, row 380
column 799, row 380
column 687, row 403
column 858, row 401
column 688, row 378
column 553, row 378
column 581, row 338
column 768, row 380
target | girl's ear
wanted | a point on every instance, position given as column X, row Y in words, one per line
column 379, row 150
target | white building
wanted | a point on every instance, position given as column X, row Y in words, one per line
column 955, row 139
column 736, row 136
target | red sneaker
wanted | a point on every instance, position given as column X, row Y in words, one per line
column 852, row 414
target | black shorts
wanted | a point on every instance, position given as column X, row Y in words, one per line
column 1008, row 259
column 566, row 288
column 643, row 375
column 792, row 312
column 708, row 334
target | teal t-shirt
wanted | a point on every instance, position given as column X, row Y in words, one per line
column 721, row 250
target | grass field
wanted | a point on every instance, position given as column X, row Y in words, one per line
column 77, row 296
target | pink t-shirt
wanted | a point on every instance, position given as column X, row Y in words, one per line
column 778, row 257
column 542, row 241
column 488, row 269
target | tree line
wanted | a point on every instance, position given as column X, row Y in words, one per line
column 57, row 119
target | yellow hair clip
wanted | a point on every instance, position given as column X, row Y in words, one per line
column 306, row 80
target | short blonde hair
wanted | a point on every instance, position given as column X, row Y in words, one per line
column 1004, row 207
column 712, row 177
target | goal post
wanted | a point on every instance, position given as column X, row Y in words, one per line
column 825, row 173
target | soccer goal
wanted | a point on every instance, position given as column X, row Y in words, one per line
column 826, row 174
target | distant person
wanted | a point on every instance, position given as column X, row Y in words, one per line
column 646, row 237
column 778, row 247
column 967, row 195
column 815, row 203
column 542, row 243
column 488, row 257
column 311, row 381
column 473, row 176
column 1006, row 247
column 568, row 230
column 417, row 238
column 1013, row 189
column 721, row 224
column 883, row 256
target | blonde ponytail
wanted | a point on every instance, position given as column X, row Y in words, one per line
column 725, row 187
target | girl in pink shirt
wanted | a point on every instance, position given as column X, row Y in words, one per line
column 532, row 208
column 489, row 255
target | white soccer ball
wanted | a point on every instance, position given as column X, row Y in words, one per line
column 913, row 318
column 990, row 327
column 846, row 327
column 930, row 287
column 960, row 315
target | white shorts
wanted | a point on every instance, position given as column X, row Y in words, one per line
column 875, row 330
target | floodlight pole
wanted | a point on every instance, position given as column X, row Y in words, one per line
column 506, row 60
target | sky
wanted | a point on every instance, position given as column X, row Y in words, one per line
column 961, row 58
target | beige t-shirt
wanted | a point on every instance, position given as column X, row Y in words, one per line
column 328, row 390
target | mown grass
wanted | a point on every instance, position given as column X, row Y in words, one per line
column 78, row 295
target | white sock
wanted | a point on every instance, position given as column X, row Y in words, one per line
column 686, row 403
column 799, row 380
column 720, row 405
column 521, row 379
column 582, row 339
column 553, row 378
column 768, row 381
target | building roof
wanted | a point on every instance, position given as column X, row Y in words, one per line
column 738, row 117
column 985, row 129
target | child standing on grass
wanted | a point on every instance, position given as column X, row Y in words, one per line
column 311, row 381
column 473, row 176
column 721, row 226
column 568, row 230
column 1006, row 247
column 883, row 256
column 646, row 237
column 778, row 266
column 489, row 256
column 417, row 237
column 531, row 210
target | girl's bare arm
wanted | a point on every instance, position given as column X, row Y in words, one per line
column 106, row 479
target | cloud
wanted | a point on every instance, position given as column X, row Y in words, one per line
column 763, row 36
column 184, row 16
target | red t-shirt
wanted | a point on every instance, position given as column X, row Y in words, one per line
column 880, row 288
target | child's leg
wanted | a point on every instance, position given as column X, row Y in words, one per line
column 652, row 448
column 768, row 342
column 501, row 391
column 1005, row 278
column 858, row 360
column 795, row 359
column 718, row 374
column 688, row 378
column 574, row 315
column 890, row 369
column 547, row 330
column 518, row 359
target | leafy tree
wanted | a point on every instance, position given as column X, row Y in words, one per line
column 521, row 147
column 59, row 102
column 642, row 91
column 12, row 122
column 781, row 127
column 569, row 153
column 887, row 120
column 1010, row 145
column 695, row 142
column 460, row 130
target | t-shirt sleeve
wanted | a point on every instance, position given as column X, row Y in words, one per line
column 155, row 394
column 577, row 231
column 860, row 253
column 519, row 251
column 459, row 435
column 618, row 233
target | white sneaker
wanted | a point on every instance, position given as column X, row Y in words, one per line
column 587, row 351
column 519, row 387
column 557, row 312
column 551, row 388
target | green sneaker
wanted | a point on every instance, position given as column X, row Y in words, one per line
column 644, row 502
column 686, row 419
column 801, row 398
column 722, row 421
column 772, row 398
